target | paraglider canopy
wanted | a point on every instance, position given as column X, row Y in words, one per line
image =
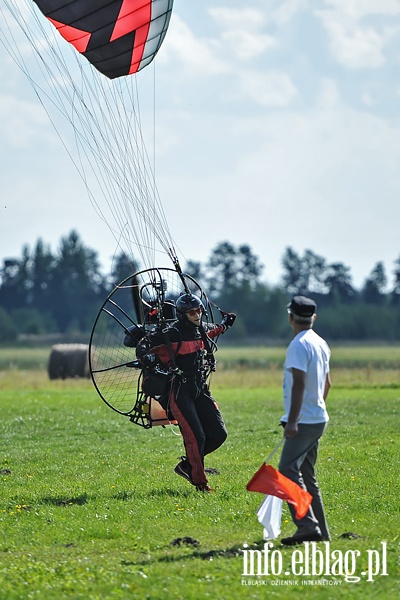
column 95, row 92
column 118, row 37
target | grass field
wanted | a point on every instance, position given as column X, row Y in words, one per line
column 254, row 357
column 90, row 507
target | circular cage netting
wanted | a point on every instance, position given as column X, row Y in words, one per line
column 147, row 299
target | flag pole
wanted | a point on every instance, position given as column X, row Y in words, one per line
column 270, row 455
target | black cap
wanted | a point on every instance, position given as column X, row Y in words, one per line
column 302, row 306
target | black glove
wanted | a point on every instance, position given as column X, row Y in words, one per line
column 228, row 319
column 149, row 360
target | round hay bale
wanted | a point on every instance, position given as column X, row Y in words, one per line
column 68, row 361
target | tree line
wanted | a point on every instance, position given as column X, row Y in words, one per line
column 43, row 292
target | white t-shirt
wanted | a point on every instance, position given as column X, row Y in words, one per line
column 307, row 352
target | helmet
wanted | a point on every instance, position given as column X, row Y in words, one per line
column 187, row 302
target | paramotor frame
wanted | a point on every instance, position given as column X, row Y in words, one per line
column 144, row 301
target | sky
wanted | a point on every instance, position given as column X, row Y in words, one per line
column 277, row 124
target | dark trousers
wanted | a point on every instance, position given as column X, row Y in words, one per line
column 201, row 424
column 299, row 455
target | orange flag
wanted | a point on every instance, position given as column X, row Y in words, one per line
column 268, row 480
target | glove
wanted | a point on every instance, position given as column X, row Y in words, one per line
column 228, row 319
column 149, row 360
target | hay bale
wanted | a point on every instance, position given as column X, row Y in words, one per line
column 68, row 360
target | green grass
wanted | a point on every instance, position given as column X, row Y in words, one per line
column 228, row 357
column 90, row 506
column 24, row 358
column 345, row 357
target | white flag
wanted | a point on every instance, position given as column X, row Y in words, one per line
column 269, row 515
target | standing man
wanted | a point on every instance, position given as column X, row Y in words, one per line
column 305, row 388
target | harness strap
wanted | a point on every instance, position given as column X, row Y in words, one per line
column 207, row 346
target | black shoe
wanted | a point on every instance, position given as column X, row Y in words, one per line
column 302, row 537
column 182, row 469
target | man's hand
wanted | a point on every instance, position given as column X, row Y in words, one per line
column 149, row 360
column 290, row 430
column 228, row 319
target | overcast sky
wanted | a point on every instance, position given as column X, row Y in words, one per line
column 277, row 124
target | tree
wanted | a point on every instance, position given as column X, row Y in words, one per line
column 41, row 274
column 195, row 270
column 314, row 272
column 221, row 269
column 32, row 321
column 303, row 275
column 229, row 268
column 374, row 288
column 42, row 292
column 339, row 283
column 396, row 287
column 250, row 266
column 77, row 286
column 15, row 281
column 291, row 263
column 8, row 331
column 122, row 267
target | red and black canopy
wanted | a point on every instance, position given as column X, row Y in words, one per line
column 118, row 37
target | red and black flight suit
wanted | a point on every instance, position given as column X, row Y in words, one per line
column 190, row 401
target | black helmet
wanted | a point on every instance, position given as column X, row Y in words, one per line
column 187, row 302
